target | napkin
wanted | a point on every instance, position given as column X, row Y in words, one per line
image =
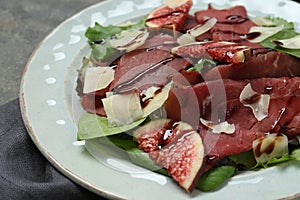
column 24, row 172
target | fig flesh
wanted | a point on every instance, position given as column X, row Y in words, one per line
column 171, row 16
column 177, row 147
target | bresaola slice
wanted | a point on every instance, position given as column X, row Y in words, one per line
column 143, row 68
column 232, row 22
column 270, row 64
column 283, row 112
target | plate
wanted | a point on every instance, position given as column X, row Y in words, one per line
column 50, row 109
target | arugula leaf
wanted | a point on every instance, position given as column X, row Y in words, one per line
column 275, row 161
column 203, row 65
column 215, row 177
column 100, row 33
column 99, row 36
column 287, row 32
column 104, row 52
column 93, row 126
column 296, row 154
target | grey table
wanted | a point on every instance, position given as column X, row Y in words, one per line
column 23, row 24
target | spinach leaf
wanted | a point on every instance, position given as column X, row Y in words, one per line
column 245, row 159
column 141, row 158
column 215, row 177
column 137, row 156
column 92, row 126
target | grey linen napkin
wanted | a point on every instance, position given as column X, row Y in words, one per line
column 24, row 172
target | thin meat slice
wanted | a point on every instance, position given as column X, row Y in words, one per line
column 283, row 112
column 231, row 25
column 270, row 64
column 219, row 101
column 189, row 23
column 159, row 41
column 219, row 146
column 92, row 103
column 142, row 68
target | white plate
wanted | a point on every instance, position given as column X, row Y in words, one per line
column 51, row 109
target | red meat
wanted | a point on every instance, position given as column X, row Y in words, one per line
column 271, row 64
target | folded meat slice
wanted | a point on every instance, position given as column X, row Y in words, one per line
column 159, row 41
column 270, row 64
column 143, row 68
column 232, row 22
column 91, row 102
column 218, row 101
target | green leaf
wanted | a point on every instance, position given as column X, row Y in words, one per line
column 102, row 52
column 278, row 21
column 100, row 33
column 215, row 177
column 287, row 32
column 275, row 161
column 246, row 159
column 92, row 126
column 99, row 37
column 203, row 65
column 137, row 156
column 123, row 141
column 141, row 158
column 296, row 154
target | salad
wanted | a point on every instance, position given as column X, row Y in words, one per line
column 197, row 97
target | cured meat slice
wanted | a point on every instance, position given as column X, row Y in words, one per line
column 219, row 101
column 189, row 23
column 92, row 103
column 141, row 69
column 218, row 146
column 232, row 22
column 160, row 41
column 271, row 64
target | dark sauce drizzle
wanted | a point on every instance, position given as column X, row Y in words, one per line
column 234, row 19
column 122, row 87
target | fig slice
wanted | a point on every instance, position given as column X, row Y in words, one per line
column 177, row 147
column 225, row 52
column 171, row 15
column 153, row 135
column 183, row 156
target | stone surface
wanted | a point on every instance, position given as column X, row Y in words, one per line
column 23, row 24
